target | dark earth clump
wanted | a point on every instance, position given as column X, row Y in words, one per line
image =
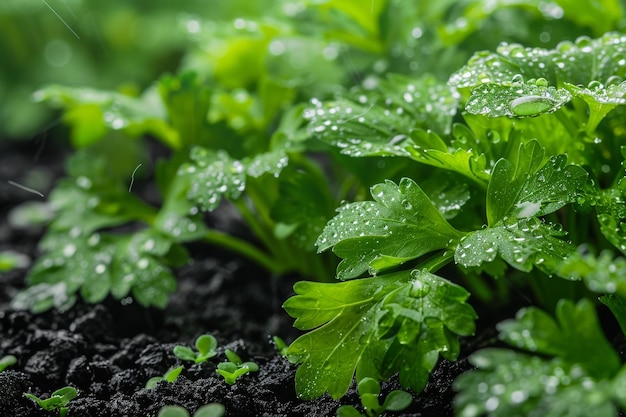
column 109, row 351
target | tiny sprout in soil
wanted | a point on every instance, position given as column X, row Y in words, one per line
column 58, row 400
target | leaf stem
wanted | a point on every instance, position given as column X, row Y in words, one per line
column 244, row 248
column 438, row 261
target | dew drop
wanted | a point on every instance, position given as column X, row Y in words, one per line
column 83, row 182
column 419, row 288
column 69, row 250
column 530, row 105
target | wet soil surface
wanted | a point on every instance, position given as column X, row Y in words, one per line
column 109, row 351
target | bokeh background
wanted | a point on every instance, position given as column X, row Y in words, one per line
column 312, row 47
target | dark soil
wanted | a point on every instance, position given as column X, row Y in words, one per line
column 109, row 351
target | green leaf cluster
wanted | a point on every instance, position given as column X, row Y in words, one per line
column 458, row 165
column 375, row 327
column 527, row 211
column 569, row 368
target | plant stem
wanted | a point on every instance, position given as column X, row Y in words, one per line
column 244, row 248
column 438, row 261
column 252, row 222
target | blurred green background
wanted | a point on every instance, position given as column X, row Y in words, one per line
column 317, row 46
column 112, row 45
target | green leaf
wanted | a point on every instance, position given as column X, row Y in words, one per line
column 497, row 79
column 173, row 411
column 172, row 374
column 573, row 376
column 304, row 205
column 58, row 399
column 233, row 357
column 6, row 361
column 188, row 100
column 91, row 112
column 348, row 411
column 10, row 260
column 383, row 116
column 617, row 305
column 399, row 225
column 428, row 101
column 449, row 196
column 518, row 99
column 507, row 181
column 601, row 274
column 84, row 206
column 391, row 122
column 611, row 211
column 368, row 386
column 573, row 336
column 600, row 98
column 509, row 383
column 516, row 196
column 235, row 367
column 206, row 345
column 184, row 353
column 375, row 327
column 524, row 244
column 397, row 400
column 526, row 190
column 465, row 162
column 178, row 217
column 215, row 174
column 97, row 265
column 579, row 62
column 599, row 17
column 210, row 410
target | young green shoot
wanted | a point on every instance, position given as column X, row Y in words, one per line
column 369, row 391
column 205, row 349
column 234, row 368
column 280, row 345
column 170, row 376
column 6, row 361
column 58, row 400
column 208, row 410
column 10, row 260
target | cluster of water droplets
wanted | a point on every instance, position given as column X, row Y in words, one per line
column 77, row 260
column 355, row 220
column 379, row 122
column 179, row 226
column 612, row 93
column 602, row 274
column 522, row 244
column 508, row 379
column 451, row 200
column 517, row 98
column 579, row 63
column 216, row 174
column 359, row 128
column 614, row 229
